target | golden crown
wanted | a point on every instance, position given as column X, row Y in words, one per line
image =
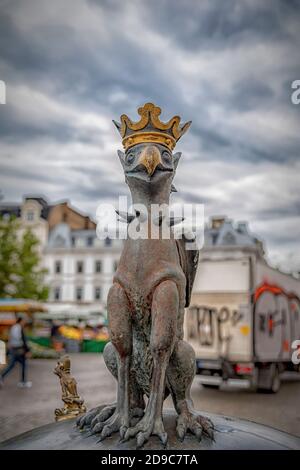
column 150, row 128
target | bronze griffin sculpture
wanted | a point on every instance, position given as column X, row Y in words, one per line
column 151, row 288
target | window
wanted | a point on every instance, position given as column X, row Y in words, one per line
column 97, row 293
column 73, row 241
column 90, row 241
column 59, row 241
column 229, row 239
column 79, row 293
column 30, row 216
column 108, row 241
column 57, row 267
column 57, row 293
column 214, row 238
column 115, row 265
column 98, row 266
column 79, row 267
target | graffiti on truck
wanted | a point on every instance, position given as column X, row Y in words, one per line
column 209, row 322
column 277, row 319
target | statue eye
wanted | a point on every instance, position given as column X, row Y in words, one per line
column 130, row 157
column 166, row 155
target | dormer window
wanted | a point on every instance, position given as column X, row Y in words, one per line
column 30, row 216
column 229, row 239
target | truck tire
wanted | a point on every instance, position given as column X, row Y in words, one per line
column 216, row 387
column 275, row 384
column 269, row 379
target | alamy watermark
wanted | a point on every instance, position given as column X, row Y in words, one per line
column 295, row 96
column 157, row 221
column 2, row 92
column 296, row 353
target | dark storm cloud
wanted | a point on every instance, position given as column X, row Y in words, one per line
column 72, row 66
column 250, row 94
column 283, row 212
column 218, row 24
column 192, row 198
column 19, row 130
column 103, row 192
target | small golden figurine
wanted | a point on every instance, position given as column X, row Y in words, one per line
column 73, row 404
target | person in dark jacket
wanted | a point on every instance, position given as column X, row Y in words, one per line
column 18, row 352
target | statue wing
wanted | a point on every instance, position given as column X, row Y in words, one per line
column 188, row 263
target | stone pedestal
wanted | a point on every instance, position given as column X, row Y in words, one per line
column 230, row 434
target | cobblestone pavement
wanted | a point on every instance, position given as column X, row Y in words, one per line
column 24, row 409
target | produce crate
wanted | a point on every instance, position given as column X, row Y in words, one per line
column 41, row 341
column 90, row 345
column 72, row 345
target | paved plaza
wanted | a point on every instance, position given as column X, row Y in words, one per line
column 24, row 409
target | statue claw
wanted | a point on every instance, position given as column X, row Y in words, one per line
column 164, row 439
column 196, row 424
column 97, row 428
column 96, row 415
column 146, row 427
column 181, row 431
column 123, row 430
column 140, row 440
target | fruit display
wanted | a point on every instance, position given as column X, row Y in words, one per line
column 41, row 352
column 70, row 332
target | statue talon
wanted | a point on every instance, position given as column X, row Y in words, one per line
column 146, row 427
column 190, row 420
column 99, row 413
column 109, row 417
column 116, row 423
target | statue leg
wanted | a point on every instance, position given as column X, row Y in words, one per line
column 136, row 398
column 164, row 314
column 96, row 418
column 180, row 375
column 101, row 413
column 119, row 320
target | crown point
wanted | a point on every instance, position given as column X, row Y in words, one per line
column 150, row 128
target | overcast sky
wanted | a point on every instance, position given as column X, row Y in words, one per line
column 72, row 66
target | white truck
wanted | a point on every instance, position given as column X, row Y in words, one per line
column 243, row 320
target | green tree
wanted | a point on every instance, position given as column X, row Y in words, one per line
column 21, row 275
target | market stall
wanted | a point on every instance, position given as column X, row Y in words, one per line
column 72, row 328
column 10, row 310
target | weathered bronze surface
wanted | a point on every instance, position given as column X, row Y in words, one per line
column 152, row 286
column 230, row 434
column 73, row 404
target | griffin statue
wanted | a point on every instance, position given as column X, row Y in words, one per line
column 151, row 288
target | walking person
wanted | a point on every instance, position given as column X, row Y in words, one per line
column 18, row 352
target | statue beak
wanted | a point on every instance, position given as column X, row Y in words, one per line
column 150, row 158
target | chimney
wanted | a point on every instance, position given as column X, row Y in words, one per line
column 217, row 222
